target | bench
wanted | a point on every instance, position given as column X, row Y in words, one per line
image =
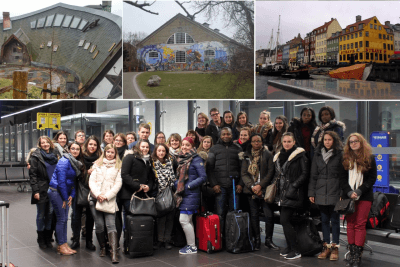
column 15, row 175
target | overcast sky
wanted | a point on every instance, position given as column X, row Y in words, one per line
column 304, row 16
column 21, row 7
column 137, row 20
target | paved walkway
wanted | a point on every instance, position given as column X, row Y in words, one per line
column 131, row 88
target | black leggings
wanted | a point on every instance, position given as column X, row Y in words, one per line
column 288, row 229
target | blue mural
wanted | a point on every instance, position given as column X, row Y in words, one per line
column 196, row 58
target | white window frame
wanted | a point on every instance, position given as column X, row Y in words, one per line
column 209, row 56
column 153, row 52
column 186, row 38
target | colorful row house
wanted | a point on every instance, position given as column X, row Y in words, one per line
column 332, row 52
column 294, row 48
column 309, row 48
column 322, row 34
column 396, row 32
column 366, row 41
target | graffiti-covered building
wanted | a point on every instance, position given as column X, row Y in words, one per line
column 184, row 44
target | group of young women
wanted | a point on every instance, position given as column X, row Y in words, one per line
column 306, row 161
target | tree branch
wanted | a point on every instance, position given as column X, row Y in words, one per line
column 141, row 6
column 184, row 9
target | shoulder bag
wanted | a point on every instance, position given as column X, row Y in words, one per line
column 143, row 206
column 270, row 192
column 82, row 193
column 345, row 206
column 165, row 202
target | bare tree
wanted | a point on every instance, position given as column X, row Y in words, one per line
column 142, row 6
column 131, row 46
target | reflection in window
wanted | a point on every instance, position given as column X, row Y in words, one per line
column 49, row 21
column 58, row 20
column 83, row 24
column 81, row 42
column 33, row 24
column 86, row 46
column 40, row 23
column 67, row 21
column 75, row 23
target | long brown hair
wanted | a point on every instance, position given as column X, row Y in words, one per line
column 362, row 158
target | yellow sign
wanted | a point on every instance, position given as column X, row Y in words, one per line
column 379, row 167
column 42, row 121
column 48, row 120
column 149, row 123
column 379, row 178
column 379, row 157
column 379, row 145
column 54, row 121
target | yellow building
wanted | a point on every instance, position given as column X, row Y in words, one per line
column 294, row 48
column 322, row 34
column 365, row 41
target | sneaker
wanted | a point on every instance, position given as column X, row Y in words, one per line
column 285, row 252
column 188, row 250
column 293, row 255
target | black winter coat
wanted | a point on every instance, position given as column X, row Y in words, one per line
column 135, row 171
column 39, row 178
column 324, row 178
column 295, row 128
column 266, row 167
column 293, row 184
column 335, row 126
column 223, row 164
column 366, row 188
column 213, row 131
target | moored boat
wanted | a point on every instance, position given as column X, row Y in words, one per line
column 354, row 72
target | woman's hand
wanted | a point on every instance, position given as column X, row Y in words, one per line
column 36, row 196
column 312, row 199
column 90, row 171
column 239, row 189
column 354, row 195
column 146, row 188
column 64, row 204
column 69, row 201
column 256, row 189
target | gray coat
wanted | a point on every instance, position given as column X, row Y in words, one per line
column 324, row 179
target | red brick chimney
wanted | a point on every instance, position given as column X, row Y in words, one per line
column 6, row 21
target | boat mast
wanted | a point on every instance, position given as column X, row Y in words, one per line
column 277, row 38
column 270, row 44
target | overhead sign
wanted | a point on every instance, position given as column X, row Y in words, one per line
column 48, row 120
column 381, row 139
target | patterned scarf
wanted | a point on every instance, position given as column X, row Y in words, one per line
column 76, row 164
column 174, row 152
column 184, row 161
column 109, row 163
column 326, row 154
column 164, row 173
column 253, row 166
column 321, row 128
column 50, row 157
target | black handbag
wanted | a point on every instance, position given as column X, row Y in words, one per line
column 345, row 206
column 143, row 206
column 82, row 194
column 165, row 202
column 308, row 236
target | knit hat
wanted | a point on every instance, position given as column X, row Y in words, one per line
column 190, row 140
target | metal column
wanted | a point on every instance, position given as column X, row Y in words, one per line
column 131, row 118
column 362, row 118
column 232, row 107
column 288, row 110
column 190, row 115
column 23, row 142
column 158, row 116
column 9, row 142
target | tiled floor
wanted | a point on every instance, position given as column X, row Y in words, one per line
column 24, row 250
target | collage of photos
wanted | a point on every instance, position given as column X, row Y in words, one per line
column 199, row 133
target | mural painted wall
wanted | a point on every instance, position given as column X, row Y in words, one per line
column 195, row 55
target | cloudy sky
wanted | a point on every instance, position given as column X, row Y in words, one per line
column 137, row 20
column 21, row 7
column 304, row 16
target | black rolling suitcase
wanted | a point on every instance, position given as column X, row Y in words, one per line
column 238, row 238
column 139, row 236
column 395, row 220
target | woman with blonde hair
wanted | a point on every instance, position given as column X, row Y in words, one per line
column 105, row 183
column 174, row 143
column 264, row 125
column 202, row 123
column 205, row 144
column 359, row 162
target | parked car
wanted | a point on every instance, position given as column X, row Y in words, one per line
column 395, row 59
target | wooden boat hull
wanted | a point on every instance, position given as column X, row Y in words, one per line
column 354, row 72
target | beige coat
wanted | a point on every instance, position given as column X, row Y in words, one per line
column 106, row 181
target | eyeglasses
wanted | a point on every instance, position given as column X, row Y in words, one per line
column 118, row 141
column 80, row 135
column 215, row 114
column 354, row 142
column 160, row 137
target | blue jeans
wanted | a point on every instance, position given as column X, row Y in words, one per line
column 328, row 216
column 44, row 216
column 222, row 200
column 62, row 215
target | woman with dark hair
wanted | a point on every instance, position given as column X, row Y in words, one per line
column 192, row 134
column 205, row 144
column 264, row 126
column 108, row 138
column 242, row 120
column 120, row 143
column 357, row 184
column 202, row 123
column 327, row 116
column 130, row 137
column 244, row 138
column 91, row 151
column 228, row 120
column 303, row 128
column 163, row 167
column 105, row 183
column 257, row 173
column 159, row 138
column 62, row 191
column 60, row 142
column 275, row 140
column 43, row 161
column 291, row 174
column 324, row 190
column 174, row 143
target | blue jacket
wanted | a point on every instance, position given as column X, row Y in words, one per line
column 197, row 176
column 63, row 179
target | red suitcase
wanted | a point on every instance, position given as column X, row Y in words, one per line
column 208, row 232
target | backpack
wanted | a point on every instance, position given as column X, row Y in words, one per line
column 308, row 238
column 379, row 211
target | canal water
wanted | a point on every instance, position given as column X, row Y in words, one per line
column 263, row 91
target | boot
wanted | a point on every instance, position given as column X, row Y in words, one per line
column 75, row 243
column 41, row 240
column 101, row 237
column 334, row 252
column 47, row 238
column 90, row 246
column 113, row 239
column 269, row 230
column 357, row 256
column 257, row 242
column 350, row 261
column 326, row 251
column 63, row 250
column 168, row 245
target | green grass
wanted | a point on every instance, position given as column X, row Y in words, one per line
column 192, row 86
column 33, row 91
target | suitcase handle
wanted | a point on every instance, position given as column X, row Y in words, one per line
column 216, row 234
column 234, row 194
column 4, row 204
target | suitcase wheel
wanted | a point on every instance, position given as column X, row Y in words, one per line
column 210, row 247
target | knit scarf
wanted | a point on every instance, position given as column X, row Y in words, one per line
column 355, row 178
column 76, row 164
column 253, row 166
column 109, row 163
column 284, row 154
column 89, row 160
column 50, row 157
column 62, row 150
column 321, row 128
column 174, row 152
column 326, row 154
column 121, row 151
column 184, row 161
column 164, row 173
